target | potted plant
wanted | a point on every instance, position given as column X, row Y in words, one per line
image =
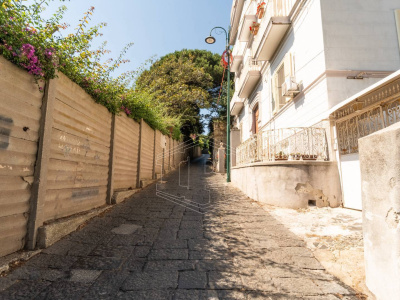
column 261, row 10
column 281, row 156
column 309, row 156
column 295, row 156
column 254, row 28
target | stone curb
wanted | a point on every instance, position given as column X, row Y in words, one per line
column 51, row 233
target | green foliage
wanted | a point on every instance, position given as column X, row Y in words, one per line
column 37, row 45
column 185, row 82
column 203, row 141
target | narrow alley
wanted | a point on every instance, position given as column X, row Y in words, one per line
column 188, row 236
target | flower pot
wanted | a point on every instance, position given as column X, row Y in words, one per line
column 254, row 29
column 261, row 12
column 281, row 157
column 295, row 156
column 309, row 157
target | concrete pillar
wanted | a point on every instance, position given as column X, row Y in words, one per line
column 111, row 164
column 235, row 142
column 380, row 182
column 41, row 167
column 169, row 153
column 154, row 155
column 139, row 154
column 221, row 159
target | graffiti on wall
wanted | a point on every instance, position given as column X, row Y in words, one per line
column 5, row 131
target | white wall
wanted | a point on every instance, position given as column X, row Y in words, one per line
column 358, row 35
column 265, row 100
column 244, row 122
column 305, row 42
column 328, row 35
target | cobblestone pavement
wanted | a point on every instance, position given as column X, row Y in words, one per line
column 218, row 245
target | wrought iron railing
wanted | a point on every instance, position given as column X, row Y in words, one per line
column 247, row 151
column 355, row 126
column 300, row 143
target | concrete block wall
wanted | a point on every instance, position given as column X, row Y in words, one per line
column 126, row 152
column 78, row 161
column 62, row 154
column 20, row 114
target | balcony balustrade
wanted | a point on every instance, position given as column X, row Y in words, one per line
column 300, row 143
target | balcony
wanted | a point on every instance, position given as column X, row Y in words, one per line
column 237, row 54
column 273, row 27
column 236, row 12
column 249, row 77
column 236, row 105
column 248, row 19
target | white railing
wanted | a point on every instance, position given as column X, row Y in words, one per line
column 247, row 152
column 281, row 8
column 299, row 143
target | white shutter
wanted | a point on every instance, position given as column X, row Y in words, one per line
column 287, row 63
column 275, row 93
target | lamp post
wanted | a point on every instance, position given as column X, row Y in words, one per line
column 211, row 40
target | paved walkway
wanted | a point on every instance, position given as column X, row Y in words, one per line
column 208, row 242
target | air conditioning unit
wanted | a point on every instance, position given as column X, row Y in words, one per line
column 290, row 88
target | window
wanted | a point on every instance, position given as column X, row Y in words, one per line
column 283, row 72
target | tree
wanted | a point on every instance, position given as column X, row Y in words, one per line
column 185, row 82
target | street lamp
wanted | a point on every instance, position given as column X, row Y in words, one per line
column 211, row 40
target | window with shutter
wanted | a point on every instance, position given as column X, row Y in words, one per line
column 281, row 80
column 284, row 71
column 275, row 93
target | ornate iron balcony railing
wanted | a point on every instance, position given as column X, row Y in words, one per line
column 299, row 143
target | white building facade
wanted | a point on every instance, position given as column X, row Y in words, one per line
column 295, row 61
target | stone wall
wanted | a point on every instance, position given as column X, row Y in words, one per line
column 380, row 181
column 295, row 184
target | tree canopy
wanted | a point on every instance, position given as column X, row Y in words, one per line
column 185, row 82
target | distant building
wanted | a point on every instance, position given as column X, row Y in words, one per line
column 296, row 62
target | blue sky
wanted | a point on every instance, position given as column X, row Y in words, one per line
column 155, row 27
